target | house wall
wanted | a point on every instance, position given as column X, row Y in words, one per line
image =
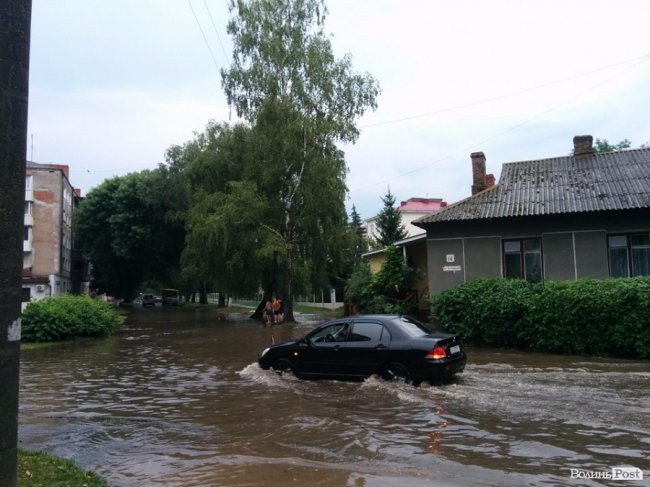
column 376, row 261
column 47, row 259
column 46, row 242
column 573, row 246
column 408, row 218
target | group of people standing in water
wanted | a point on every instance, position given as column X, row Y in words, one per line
column 273, row 311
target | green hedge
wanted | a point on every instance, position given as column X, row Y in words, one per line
column 596, row 317
column 67, row 317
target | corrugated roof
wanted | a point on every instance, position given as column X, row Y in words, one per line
column 595, row 182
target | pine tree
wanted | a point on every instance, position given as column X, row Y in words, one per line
column 389, row 222
column 360, row 244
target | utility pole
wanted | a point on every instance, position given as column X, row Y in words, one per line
column 15, row 23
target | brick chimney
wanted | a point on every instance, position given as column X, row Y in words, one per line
column 479, row 179
column 490, row 180
column 583, row 145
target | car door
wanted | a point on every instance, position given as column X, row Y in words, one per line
column 367, row 348
column 322, row 356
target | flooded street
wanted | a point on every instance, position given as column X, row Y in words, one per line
column 177, row 399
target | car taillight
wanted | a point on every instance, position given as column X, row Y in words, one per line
column 437, row 353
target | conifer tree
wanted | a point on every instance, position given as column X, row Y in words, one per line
column 389, row 222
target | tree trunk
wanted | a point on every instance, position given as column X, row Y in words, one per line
column 288, row 288
column 258, row 314
column 15, row 18
column 203, row 295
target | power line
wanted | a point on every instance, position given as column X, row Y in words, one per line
column 639, row 59
column 205, row 39
column 215, row 30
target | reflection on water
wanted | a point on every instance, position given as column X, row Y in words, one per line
column 177, row 399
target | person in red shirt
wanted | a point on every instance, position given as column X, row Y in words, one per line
column 277, row 310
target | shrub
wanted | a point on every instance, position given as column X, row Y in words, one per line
column 378, row 293
column 610, row 317
column 597, row 317
column 485, row 311
column 67, row 317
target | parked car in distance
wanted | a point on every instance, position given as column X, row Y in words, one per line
column 148, row 300
column 394, row 347
column 170, row 297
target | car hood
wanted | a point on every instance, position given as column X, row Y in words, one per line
column 288, row 343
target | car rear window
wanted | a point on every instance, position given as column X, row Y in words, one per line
column 412, row 326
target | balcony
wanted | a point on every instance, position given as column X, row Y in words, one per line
column 27, row 245
column 29, row 220
column 29, row 195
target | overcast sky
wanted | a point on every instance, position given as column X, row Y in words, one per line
column 114, row 83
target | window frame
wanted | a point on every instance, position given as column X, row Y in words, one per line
column 521, row 254
column 631, row 270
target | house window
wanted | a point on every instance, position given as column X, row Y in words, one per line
column 522, row 259
column 629, row 255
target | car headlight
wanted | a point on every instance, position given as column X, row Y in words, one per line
column 264, row 352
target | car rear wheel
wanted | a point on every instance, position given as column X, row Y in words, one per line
column 282, row 366
column 396, row 372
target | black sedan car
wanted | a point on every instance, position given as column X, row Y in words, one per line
column 393, row 347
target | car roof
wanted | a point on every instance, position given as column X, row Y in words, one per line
column 393, row 321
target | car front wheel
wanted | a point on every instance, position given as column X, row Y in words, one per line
column 282, row 366
column 396, row 372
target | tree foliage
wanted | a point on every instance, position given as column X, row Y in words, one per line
column 127, row 229
column 603, row 145
column 383, row 292
column 357, row 235
column 224, row 210
column 299, row 101
column 261, row 201
column 389, row 222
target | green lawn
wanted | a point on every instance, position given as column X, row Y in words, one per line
column 36, row 469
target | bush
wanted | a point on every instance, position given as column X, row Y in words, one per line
column 486, row 311
column 597, row 317
column 67, row 317
column 378, row 293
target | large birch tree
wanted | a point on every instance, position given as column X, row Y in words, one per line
column 300, row 101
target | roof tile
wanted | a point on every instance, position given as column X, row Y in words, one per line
column 597, row 182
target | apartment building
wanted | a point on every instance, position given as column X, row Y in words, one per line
column 50, row 266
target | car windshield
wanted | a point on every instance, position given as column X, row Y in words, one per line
column 412, row 326
column 333, row 333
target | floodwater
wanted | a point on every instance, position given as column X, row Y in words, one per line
column 176, row 399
